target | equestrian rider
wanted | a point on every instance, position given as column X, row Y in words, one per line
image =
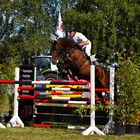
column 80, row 39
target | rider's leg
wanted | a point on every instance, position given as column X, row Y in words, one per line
column 88, row 49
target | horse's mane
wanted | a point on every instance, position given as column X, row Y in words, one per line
column 69, row 43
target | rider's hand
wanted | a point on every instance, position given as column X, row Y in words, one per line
column 83, row 48
column 80, row 44
column 83, row 43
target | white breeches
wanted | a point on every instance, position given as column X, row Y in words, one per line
column 88, row 49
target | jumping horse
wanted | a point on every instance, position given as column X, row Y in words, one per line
column 76, row 60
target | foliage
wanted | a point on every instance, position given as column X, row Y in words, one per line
column 25, row 29
column 4, row 101
column 82, row 111
column 6, row 91
column 86, row 110
column 127, row 103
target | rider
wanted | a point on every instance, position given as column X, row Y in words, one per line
column 80, row 39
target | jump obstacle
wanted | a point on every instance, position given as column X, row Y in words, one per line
column 55, row 91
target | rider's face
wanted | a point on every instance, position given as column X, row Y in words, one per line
column 72, row 33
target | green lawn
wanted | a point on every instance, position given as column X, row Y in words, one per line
column 31, row 133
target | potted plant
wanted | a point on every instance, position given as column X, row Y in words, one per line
column 127, row 99
column 133, row 123
column 119, row 114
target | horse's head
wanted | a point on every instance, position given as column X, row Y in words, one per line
column 57, row 51
column 61, row 50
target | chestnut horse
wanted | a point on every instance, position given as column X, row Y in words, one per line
column 79, row 64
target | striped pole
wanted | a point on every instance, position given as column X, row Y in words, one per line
column 2, row 126
column 67, row 105
column 50, row 125
column 7, row 81
column 30, row 88
column 61, row 100
column 53, row 82
column 60, row 82
column 58, row 93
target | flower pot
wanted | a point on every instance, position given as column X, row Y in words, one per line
column 119, row 129
column 132, row 129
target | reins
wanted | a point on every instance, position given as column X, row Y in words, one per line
column 70, row 53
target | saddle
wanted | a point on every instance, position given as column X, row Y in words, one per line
column 91, row 58
column 83, row 50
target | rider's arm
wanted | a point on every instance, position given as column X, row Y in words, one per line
column 83, row 43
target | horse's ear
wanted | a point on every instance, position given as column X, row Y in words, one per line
column 53, row 42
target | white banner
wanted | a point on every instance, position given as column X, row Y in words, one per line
column 59, row 26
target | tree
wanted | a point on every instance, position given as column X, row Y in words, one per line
column 29, row 30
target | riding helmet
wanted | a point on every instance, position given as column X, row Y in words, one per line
column 71, row 29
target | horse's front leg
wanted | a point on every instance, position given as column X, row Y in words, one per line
column 72, row 76
column 63, row 69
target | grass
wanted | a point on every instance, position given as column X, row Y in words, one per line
column 32, row 133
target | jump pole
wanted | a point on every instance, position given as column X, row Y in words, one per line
column 16, row 121
column 92, row 127
column 109, row 127
column 2, row 126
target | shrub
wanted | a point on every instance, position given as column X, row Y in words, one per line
column 127, row 103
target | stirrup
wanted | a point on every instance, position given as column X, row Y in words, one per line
column 92, row 58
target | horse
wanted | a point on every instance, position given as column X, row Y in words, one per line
column 73, row 58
